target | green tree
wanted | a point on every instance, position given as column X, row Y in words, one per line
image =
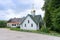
column 52, row 14
column 47, row 17
column 3, row 24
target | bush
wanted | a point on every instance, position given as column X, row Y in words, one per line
column 3, row 24
column 16, row 29
column 46, row 30
column 18, row 26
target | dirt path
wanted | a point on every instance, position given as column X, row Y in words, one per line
column 6, row 34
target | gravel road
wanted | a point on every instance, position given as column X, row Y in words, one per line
column 6, row 34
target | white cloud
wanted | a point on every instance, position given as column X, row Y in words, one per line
column 37, row 4
column 10, row 13
column 7, row 3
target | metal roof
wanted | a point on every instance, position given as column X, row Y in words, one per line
column 37, row 18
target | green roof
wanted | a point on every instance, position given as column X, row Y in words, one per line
column 37, row 18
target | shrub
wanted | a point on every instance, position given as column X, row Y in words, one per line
column 3, row 24
column 16, row 29
column 18, row 26
column 46, row 30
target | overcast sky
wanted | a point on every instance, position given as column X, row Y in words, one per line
column 19, row 8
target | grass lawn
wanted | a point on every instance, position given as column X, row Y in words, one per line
column 38, row 31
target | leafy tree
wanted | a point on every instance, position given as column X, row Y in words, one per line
column 47, row 17
column 52, row 14
column 3, row 24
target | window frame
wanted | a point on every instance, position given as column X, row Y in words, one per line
column 28, row 21
column 25, row 25
column 13, row 24
column 31, row 25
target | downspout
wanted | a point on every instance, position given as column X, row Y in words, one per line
column 38, row 26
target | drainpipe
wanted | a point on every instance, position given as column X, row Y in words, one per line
column 38, row 26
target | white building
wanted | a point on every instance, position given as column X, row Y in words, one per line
column 31, row 22
column 14, row 22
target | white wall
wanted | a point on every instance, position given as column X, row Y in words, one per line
column 28, row 25
column 10, row 25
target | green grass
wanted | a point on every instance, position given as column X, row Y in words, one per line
column 16, row 29
column 54, row 33
column 37, row 31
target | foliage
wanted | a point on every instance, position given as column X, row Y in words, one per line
column 18, row 26
column 37, row 31
column 16, row 29
column 3, row 23
column 43, row 29
column 52, row 14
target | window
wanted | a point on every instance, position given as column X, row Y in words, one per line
column 17, row 24
column 25, row 25
column 31, row 25
column 13, row 24
column 28, row 21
